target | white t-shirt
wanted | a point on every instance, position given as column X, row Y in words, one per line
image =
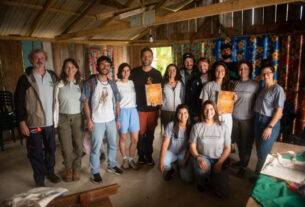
column 102, row 110
column 128, row 94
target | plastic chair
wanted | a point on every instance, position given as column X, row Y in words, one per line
column 7, row 116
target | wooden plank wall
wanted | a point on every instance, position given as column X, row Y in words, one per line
column 12, row 64
column 12, row 61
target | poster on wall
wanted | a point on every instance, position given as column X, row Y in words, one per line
column 94, row 54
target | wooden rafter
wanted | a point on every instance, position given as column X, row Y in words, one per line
column 106, row 15
column 38, row 7
column 110, row 20
column 83, row 13
column 199, row 12
column 202, row 27
column 141, row 34
column 41, row 15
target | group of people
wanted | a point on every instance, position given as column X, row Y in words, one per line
column 197, row 135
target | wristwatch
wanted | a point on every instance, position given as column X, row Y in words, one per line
column 269, row 126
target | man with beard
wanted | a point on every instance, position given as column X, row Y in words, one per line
column 188, row 72
column 102, row 108
column 226, row 54
column 196, row 88
column 34, row 110
column 148, row 115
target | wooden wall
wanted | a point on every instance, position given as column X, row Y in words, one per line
column 11, row 64
column 12, row 59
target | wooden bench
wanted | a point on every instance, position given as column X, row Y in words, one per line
column 92, row 198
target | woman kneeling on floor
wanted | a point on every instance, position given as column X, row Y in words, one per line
column 210, row 145
column 175, row 146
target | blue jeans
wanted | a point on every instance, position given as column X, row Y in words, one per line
column 219, row 181
column 97, row 142
column 263, row 147
column 186, row 173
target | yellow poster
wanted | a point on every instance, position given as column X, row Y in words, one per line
column 225, row 102
column 153, row 94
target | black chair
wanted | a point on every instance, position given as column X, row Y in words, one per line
column 7, row 116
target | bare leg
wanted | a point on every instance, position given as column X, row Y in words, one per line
column 133, row 143
column 123, row 144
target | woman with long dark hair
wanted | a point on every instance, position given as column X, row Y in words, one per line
column 210, row 145
column 129, row 118
column 220, row 81
column 268, row 112
column 172, row 94
column 175, row 145
column 68, row 118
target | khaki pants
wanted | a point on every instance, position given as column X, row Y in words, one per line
column 70, row 134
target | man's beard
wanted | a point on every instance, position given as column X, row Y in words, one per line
column 103, row 72
column 39, row 66
column 225, row 56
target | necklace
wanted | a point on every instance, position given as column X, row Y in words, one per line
column 104, row 84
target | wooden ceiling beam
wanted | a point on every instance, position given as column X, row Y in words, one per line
column 199, row 12
column 38, row 7
column 106, row 15
column 41, row 15
column 110, row 20
column 218, row 8
column 83, row 13
column 95, row 41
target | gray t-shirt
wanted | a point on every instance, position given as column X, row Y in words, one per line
column 45, row 87
column 210, row 140
column 177, row 144
column 246, row 93
column 269, row 99
column 210, row 91
column 69, row 98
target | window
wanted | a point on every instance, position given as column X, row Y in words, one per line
column 162, row 58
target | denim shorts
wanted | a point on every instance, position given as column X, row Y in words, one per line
column 129, row 120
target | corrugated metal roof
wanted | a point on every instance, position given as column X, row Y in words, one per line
column 123, row 35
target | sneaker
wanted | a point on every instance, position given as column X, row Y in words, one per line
column 96, row 178
column 150, row 162
column 241, row 172
column 115, row 170
column 133, row 165
column 141, row 160
column 68, row 176
column 40, row 184
column 53, row 178
column 168, row 175
column 102, row 157
column 125, row 164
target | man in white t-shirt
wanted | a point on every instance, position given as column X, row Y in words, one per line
column 102, row 108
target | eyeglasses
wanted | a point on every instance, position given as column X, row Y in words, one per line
column 266, row 74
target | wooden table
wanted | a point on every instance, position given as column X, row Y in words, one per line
column 92, row 198
column 278, row 147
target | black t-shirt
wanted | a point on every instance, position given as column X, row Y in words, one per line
column 140, row 78
column 232, row 67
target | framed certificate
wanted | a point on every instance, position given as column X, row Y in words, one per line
column 225, row 102
column 153, row 94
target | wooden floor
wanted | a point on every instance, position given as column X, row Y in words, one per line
column 143, row 188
